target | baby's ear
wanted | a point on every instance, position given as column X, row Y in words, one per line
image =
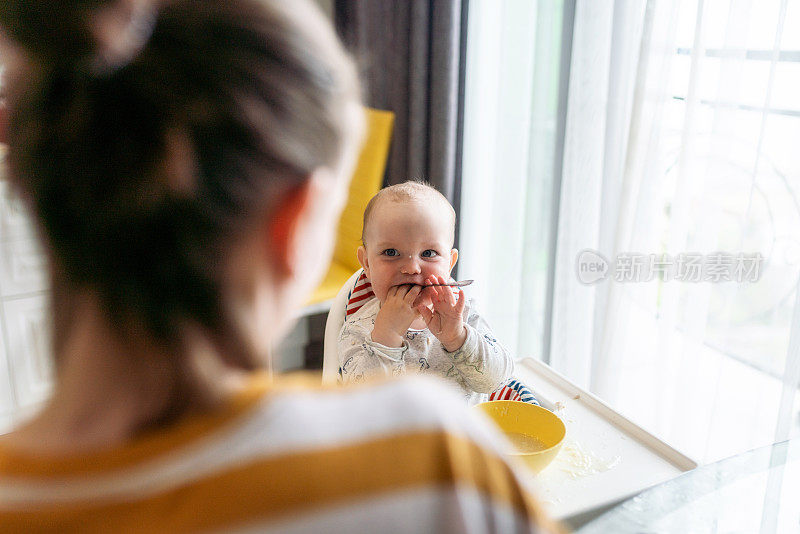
column 361, row 254
column 453, row 258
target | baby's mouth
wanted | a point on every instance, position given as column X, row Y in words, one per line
column 410, row 283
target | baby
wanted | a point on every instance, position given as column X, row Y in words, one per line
column 410, row 327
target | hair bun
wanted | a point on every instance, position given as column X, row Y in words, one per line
column 100, row 34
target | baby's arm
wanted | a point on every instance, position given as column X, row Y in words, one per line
column 360, row 357
column 482, row 362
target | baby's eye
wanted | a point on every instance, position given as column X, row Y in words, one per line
column 391, row 252
column 430, row 253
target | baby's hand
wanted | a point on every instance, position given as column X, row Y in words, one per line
column 396, row 315
column 446, row 320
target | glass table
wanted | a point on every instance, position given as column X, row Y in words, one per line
column 756, row 491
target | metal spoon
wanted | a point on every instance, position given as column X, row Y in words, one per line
column 461, row 283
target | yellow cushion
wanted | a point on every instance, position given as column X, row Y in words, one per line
column 367, row 180
column 332, row 283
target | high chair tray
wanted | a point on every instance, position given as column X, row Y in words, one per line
column 605, row 457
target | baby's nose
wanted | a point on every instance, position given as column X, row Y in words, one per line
column 410, row 265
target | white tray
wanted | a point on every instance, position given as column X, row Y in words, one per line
column 624, row 459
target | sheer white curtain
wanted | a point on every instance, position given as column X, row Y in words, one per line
column 681, row 129
column 510, row 123
column 25, row 365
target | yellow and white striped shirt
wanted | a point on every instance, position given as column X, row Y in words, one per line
column 288, row 456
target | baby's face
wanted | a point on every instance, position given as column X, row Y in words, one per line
column 405, row 243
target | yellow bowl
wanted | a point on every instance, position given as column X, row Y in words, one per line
column 536, row 432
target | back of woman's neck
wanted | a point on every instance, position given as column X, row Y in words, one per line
column 109, row 390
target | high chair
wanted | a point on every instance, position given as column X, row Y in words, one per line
column 333, row 325
column 357, row 291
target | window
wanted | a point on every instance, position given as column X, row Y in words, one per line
column 680, row 128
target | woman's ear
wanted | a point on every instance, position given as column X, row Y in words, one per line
column 453, row 258
column 282, row 229
column 361, row 254
column 301, row 228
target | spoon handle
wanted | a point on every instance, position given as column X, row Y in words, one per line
column 462, row 283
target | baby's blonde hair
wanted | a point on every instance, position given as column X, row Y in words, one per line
column 409, row 191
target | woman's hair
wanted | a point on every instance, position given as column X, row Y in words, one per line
column 147, row 136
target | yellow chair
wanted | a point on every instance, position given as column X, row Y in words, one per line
column 367, row 180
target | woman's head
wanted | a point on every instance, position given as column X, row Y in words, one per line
column 153, row 140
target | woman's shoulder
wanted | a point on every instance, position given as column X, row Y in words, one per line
column 414, row 400
column 390, row 410
column 293, row 444
column 375, row 409
column 394, row 432
column 267, row 420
